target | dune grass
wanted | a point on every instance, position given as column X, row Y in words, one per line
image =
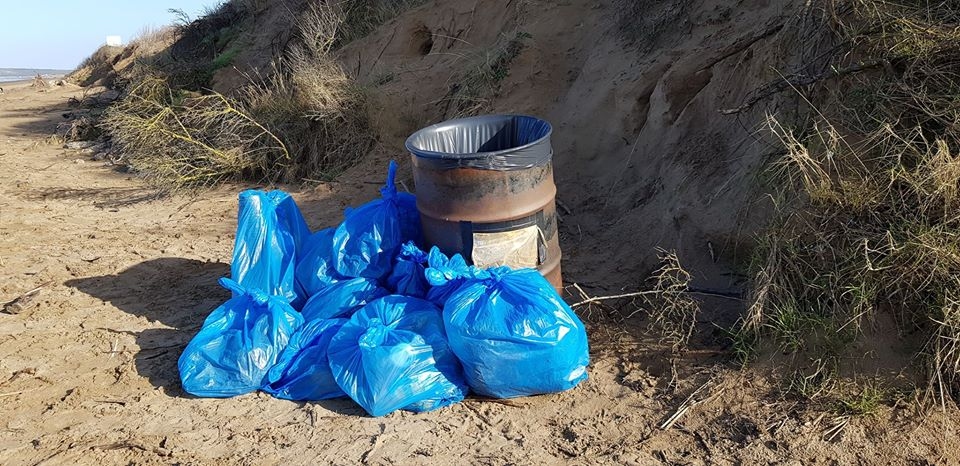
column 180, row 139
column 304, row 119
column 866, row 210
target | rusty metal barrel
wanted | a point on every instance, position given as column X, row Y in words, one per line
column 485, row 190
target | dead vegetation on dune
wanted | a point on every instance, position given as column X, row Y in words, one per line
column 309, row 101
column 673, row 312
column 867, row 222
column 361, row 17
column 176, row 138
column 304, row 118
column 303, row 99
column 97, row 68
column 480, row 82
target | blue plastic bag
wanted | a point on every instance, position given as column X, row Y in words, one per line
column 393, row 354
column 315, row 270
column 369, row 238
column 342, row 299
column 238, row 343
column 270, row 229
column 289, row 214
column 514, row 335
column 302, row 372
column 445, row 275
column 407, row 277
column 409, row 218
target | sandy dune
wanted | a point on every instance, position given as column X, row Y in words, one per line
column 88, row 369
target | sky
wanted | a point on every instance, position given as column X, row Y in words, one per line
column 58, row 34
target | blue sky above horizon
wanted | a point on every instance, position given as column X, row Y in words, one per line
column 59, row 34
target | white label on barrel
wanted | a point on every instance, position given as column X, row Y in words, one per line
column 516, row 248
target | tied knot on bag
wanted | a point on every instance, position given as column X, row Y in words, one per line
column 439, row 276
column 414, row 254
column 492, row 276
column 389, row 190
column 276, row 197
column 258, row 297
column 375, row 335
column 443, row 270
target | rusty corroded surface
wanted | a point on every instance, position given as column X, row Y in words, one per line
column 452, row 201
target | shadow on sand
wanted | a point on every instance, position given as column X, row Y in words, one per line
column 177, row 292
column 174, row 291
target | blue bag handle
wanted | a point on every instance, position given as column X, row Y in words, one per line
column 389, row 190
column 237, row 289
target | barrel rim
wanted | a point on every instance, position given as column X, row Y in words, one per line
column 428, row 154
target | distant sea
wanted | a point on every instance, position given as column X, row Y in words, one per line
column 23, row 74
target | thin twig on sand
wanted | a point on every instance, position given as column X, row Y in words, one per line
column 17, row 305
column 800, row 80
column 588, row 299
column 616, row 296
column 688, row 404
column 839, row 424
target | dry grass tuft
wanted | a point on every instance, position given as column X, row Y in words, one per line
column 311, row 103
column 178, row 139
column 480, row 83
column 673, row 313
column 867, row 211
column 361, row 17
column 322, row 114
column 306, row 119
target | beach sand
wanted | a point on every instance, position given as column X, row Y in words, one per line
column 88, row 369
column 27, row 84
column 15, row 85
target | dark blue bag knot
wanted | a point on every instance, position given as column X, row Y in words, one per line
column 369, row 238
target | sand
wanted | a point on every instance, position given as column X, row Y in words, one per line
column 88, row 369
